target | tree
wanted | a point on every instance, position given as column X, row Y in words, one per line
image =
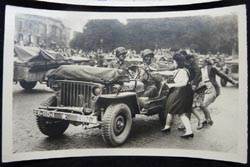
column 201, row 33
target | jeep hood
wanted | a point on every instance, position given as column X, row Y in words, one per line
column 89, row 74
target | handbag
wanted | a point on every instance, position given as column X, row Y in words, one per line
column 201, row 88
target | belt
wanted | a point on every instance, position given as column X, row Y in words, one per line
column 207, row 81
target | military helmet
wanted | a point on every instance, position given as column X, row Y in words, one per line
column 119, row 51
column 147, row 52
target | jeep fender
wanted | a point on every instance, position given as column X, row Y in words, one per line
column 129, row 98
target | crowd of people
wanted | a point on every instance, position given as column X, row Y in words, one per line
column 193, row 86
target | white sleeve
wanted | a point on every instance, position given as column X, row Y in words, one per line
column 181, row 79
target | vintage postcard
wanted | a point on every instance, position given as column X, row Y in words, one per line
column 79, row 83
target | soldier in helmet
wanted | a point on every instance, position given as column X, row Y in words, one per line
column 147, row 67
column 119, row 63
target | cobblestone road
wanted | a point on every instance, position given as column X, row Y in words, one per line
column 145, row 130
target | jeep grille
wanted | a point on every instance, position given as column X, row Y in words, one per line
column 75, row 93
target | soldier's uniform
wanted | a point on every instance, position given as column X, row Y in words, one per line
column 119, row 63
column 147, row 78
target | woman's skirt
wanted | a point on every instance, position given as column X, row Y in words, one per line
column 180, row 100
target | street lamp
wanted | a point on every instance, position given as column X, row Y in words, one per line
column 101, row 41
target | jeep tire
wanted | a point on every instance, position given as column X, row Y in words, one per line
column 50, row 126
column 117, row 122
column 27, row 85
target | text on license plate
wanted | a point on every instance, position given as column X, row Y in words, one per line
column 66, row 116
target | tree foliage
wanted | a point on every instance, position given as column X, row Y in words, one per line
column 201, row 33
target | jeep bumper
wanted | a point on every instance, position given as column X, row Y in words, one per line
column 66, row 116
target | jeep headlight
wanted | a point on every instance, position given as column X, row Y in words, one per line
column 97, row 91
column 56, row 86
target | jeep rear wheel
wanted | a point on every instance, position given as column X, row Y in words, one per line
column 27, row 85
column 117, row 122
column 50, row 126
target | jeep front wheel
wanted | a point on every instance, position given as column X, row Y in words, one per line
column 52, row 127
column 27, row 85
column 117, row 122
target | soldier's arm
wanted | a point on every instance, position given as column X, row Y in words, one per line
column 223, row 75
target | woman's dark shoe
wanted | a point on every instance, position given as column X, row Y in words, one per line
column 166, row 130
column 200, row 125
column 186, row 136
column 210, row 122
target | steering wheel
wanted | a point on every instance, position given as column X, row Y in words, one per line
column 138, row 72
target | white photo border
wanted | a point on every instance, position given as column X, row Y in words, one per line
column 7, row 100
column 127, row 3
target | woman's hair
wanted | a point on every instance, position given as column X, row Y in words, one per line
column 180, row 60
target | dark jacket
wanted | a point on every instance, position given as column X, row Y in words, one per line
column 117, row 64
column 197, row 74
column 212, row 72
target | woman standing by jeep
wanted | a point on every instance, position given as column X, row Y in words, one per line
column 180, row 98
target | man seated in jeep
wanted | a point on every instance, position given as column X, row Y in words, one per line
column 119, row 63
column 145, row 70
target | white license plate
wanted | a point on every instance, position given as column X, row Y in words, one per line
column 66, row 116
column 87, row 119
column 49, row 114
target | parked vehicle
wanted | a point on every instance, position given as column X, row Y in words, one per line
column 32, row 65
column 133, row 60
column 164, row 63
column 96, row 97
column 78, row 60
column 231, row 68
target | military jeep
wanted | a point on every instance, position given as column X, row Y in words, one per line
column 96, row 97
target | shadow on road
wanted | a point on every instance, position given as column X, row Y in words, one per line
column 34, row 91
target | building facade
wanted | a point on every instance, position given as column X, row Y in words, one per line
column 39, row 30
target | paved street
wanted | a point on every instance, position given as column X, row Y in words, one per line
column 222, row 136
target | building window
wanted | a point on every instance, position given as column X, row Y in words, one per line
column 31, row 39
column 20, row 25
column 20, row 37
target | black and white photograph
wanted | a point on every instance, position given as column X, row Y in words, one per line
column 79, row 83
